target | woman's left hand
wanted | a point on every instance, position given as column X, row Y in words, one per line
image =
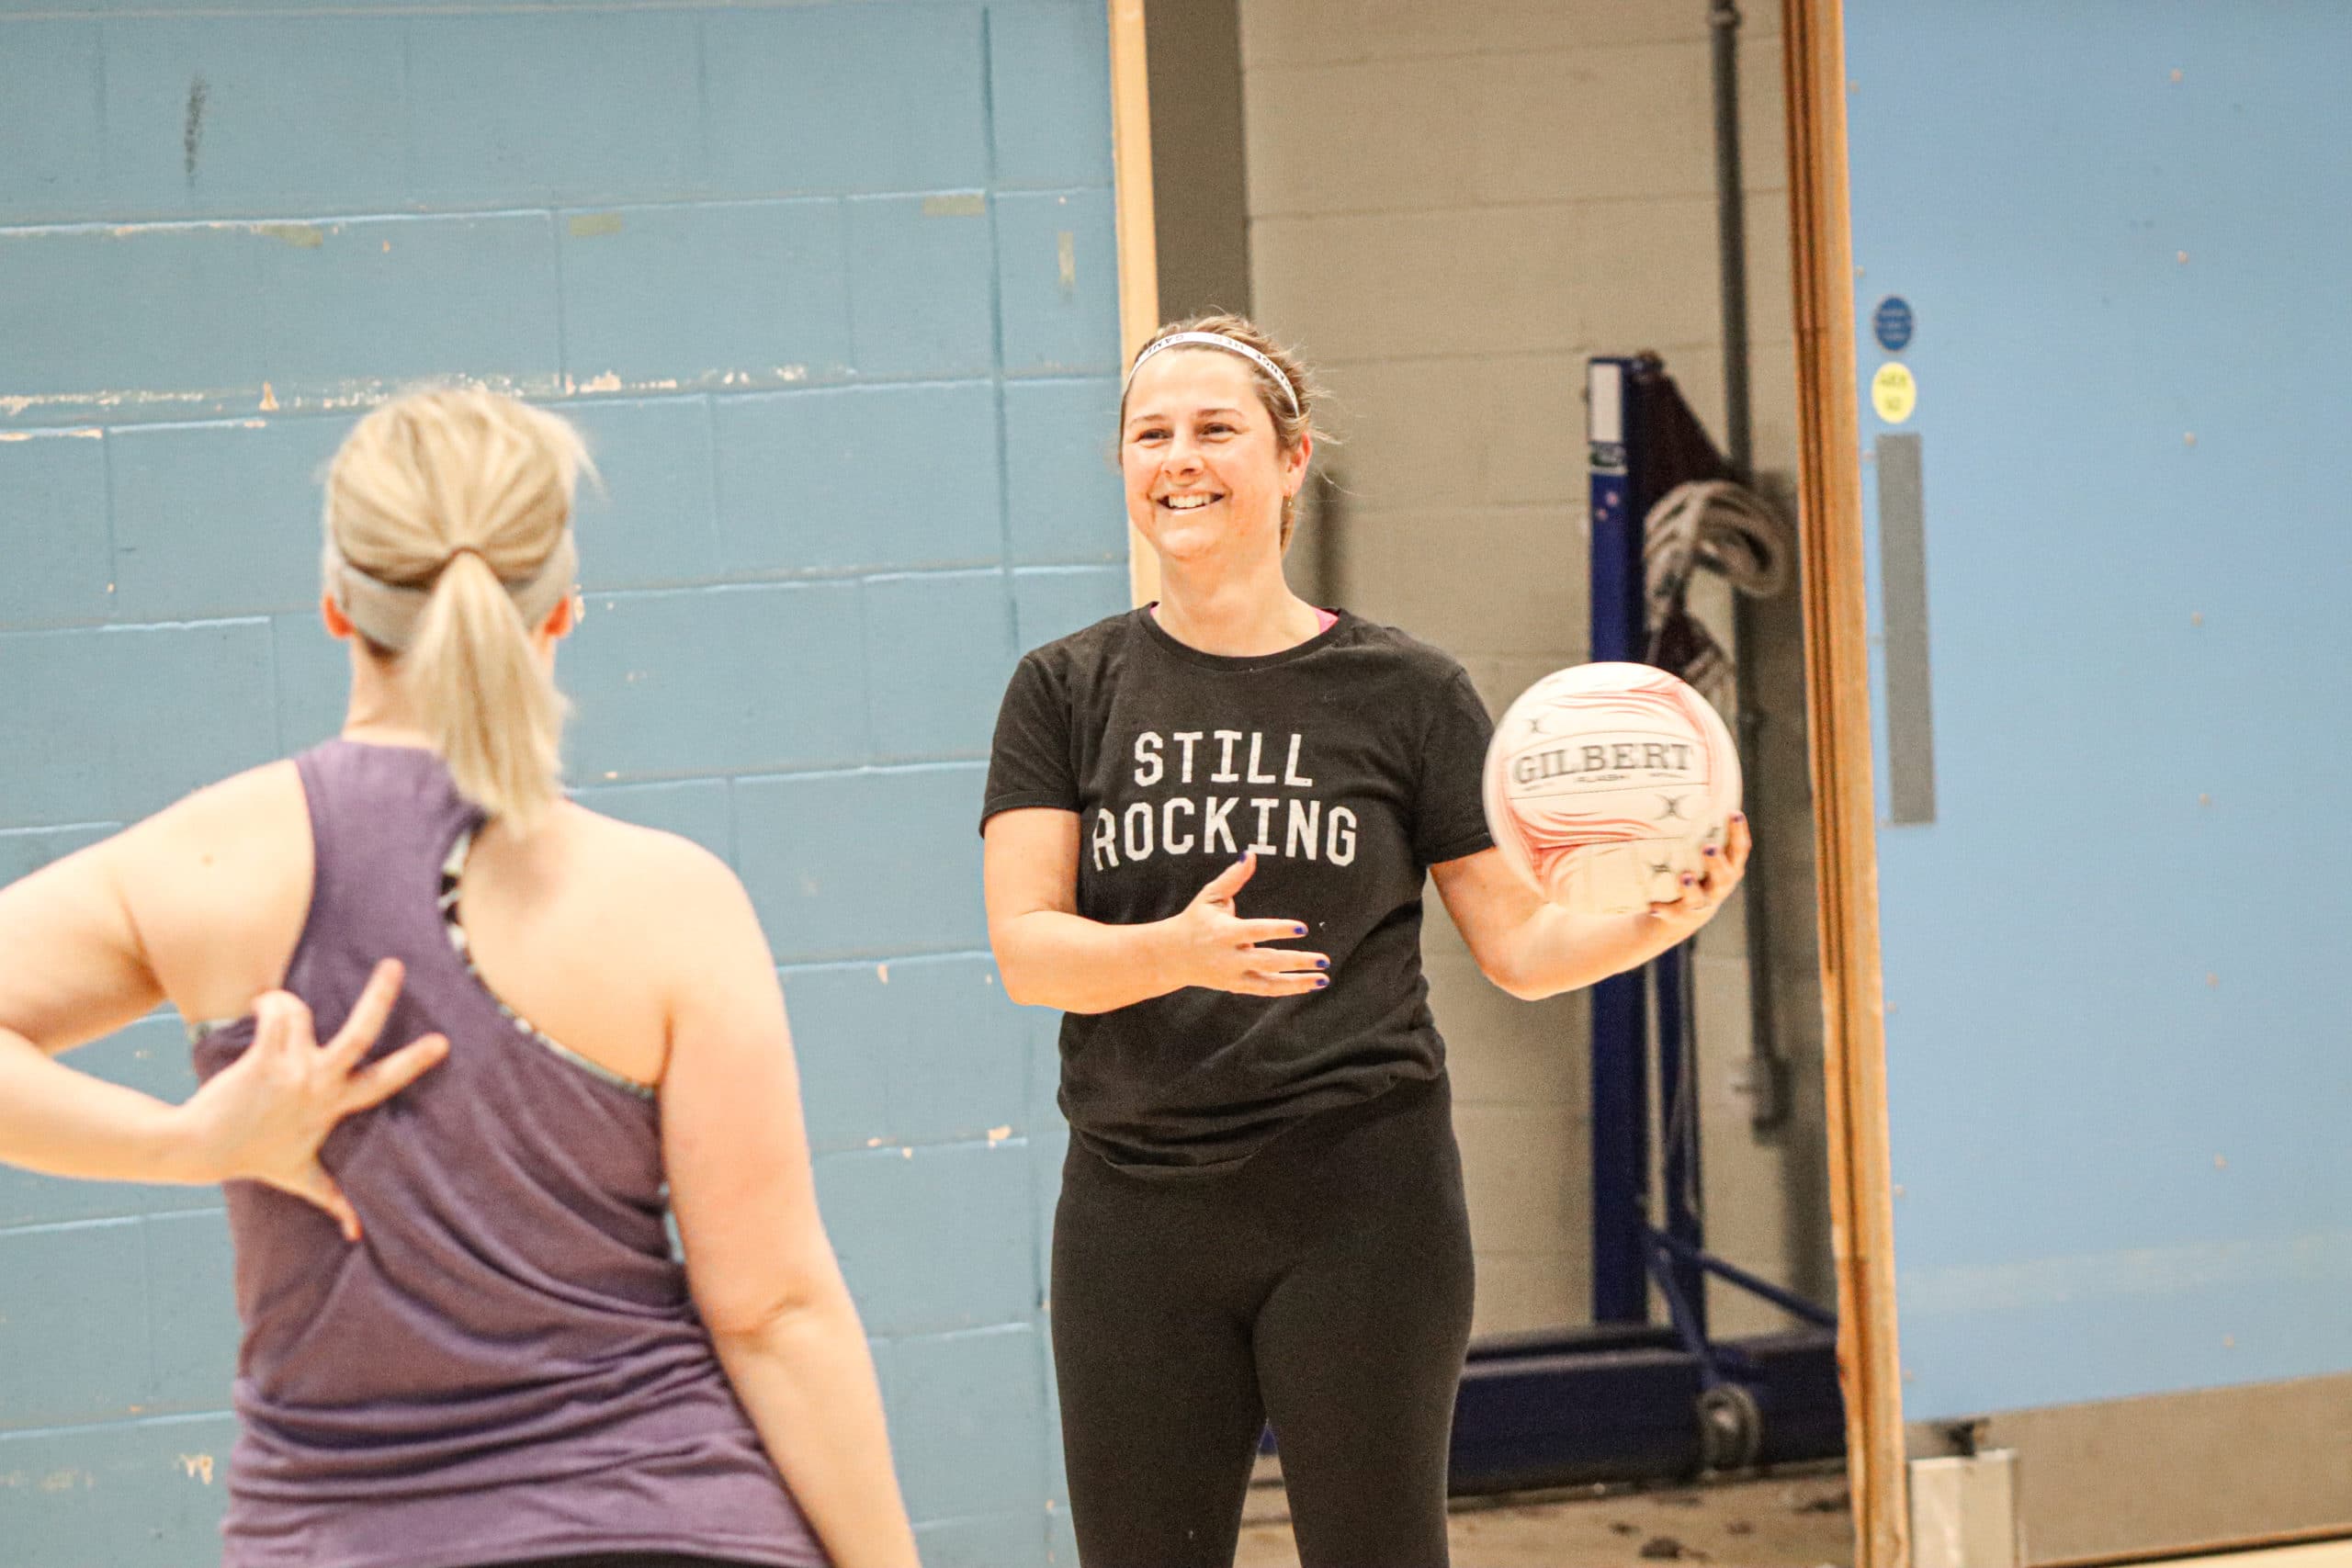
column 262, row 1117
column 1704, row 891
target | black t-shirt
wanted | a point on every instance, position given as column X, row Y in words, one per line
column 1351, row 762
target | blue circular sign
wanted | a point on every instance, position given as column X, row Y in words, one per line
column 1892, row 322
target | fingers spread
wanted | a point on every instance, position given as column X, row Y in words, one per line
column 368, row 1015
column 279, row 1019
column 379, row 1081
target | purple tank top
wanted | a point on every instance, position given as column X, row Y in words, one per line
column 508, row 1366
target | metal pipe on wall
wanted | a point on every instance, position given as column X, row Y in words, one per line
column 1768, row 1074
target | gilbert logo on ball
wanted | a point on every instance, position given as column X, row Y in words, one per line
column 1605, row 782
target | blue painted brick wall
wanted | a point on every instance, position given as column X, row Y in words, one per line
column 831, row 288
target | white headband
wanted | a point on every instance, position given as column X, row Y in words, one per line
column 1218, row 340
column 389, row 612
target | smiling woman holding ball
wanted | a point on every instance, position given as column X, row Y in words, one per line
column 1262, row 1214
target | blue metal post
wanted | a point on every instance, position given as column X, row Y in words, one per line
column 1677, row 1092
column 1620, row 1024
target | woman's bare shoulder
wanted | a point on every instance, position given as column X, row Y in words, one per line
column 259, row 812
column 657, row 871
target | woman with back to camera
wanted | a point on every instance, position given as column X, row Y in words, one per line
column 505, row 1365
column 1261, row 1213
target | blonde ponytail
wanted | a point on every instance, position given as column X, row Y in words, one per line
column 493, row 714
column 448, row 519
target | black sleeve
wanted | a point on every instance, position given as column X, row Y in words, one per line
column 1449, row 814
column 1030, row 762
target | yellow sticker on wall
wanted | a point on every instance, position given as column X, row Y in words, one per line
column 1894, row 393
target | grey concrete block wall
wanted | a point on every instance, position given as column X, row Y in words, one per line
column 831, row 290
column 1451, row 208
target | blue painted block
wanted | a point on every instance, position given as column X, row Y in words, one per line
column 922, row 286
column 1057, row 278
column 1061, row 1539
column 53, row 529
column 999, row 1540
column 192, row 1319
column 1044, row 1028
column 1049, row 1148
column 566, row 104
column 938, row 651
column 1047, row 1132
column 958, row 1050
column 24, row 850
column 366, row 306
column 1053, row 601
column 700, row 296
column 252, row 115
column 846, row 98
column 864, row 865
column 715, row 680
column 72, row 1355
column 313, row 680
column 860, row 478
column 1063, row 493
column 654, row 521
column 151, row 1056
column 218, row 519
column 186, row 705
column 932, row 1240
column 843, row 1044
column 883, row 1353
column 908, row 1051
column 1057, row 1473
column 1049, row 68
column 53, row 106
column 692, row 809
column 147, row 322
column 115, row 1495
column 972, row 1438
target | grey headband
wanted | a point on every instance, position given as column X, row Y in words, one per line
column 388, row 614
column 1231, row 345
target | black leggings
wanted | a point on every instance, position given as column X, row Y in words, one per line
column 1324, row 1283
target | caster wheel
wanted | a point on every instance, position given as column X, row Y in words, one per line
column 1731, row 1427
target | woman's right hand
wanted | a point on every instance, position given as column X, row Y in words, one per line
column 262, row 1117
column 1212, row 946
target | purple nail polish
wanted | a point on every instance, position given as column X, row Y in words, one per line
column 1711, row 849
column 1322, row 964
column 1322, row 981
column 1298, row 930
column 1687, row 879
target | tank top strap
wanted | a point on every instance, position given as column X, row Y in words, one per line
column 382, row 821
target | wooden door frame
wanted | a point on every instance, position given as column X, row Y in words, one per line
column 1138, row 231
column 1845, row 828
column 1837, row 689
